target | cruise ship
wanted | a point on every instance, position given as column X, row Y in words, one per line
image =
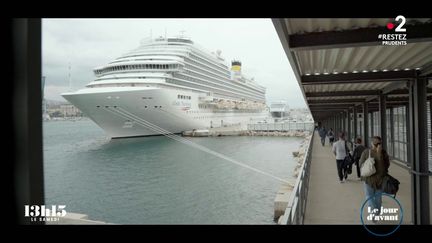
column 169, row 85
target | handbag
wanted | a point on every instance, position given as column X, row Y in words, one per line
column 368, row 167
column 390, row 185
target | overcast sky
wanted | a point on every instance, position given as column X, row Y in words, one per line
column 88, row 43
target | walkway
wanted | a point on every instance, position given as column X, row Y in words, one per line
column 332, row 202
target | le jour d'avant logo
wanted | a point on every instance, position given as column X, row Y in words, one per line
column 389, row 213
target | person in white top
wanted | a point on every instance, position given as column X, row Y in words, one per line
column 340, row 149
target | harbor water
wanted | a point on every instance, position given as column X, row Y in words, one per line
column 156, row 180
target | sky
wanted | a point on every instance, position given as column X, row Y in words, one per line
column 84, row 44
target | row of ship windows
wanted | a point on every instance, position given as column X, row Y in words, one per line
column 216, row 85
column 183, row 97
column 107, row 106
column 191, row 60
column 216, row 78
column 198, row 86
column 203, row 106
column 203, row 70
column 145, row 54
column 137, row 66
column 194, row 56
column 193, row 112
column 202, row 60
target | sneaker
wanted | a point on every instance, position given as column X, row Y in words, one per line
column 342, row 181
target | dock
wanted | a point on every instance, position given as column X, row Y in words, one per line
column 281, row 129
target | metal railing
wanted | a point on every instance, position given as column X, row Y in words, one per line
column 295, row 211
column 288, row 126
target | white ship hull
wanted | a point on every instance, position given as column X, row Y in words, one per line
column 146, row 111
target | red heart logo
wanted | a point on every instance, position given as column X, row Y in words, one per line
column 390, row 26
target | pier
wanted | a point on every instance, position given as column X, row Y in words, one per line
column 354, row 83
column 280, row 129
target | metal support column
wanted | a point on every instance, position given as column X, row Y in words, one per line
column 430, row 110
column 408, row 132
column 372, row 132
column 419, row 155
column 28, row 175
column 383, row 119
column 333, row 122
column 391, row 145
column 343, row 122
column 348, row 114
column 355, row 134
column 337, row 125
column 365, row 124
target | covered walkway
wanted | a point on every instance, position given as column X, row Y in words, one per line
column 356, row 82
column 330, row 202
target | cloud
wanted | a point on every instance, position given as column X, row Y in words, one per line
column 52, row 92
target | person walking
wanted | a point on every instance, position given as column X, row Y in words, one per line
column 330, row 135
column 373, row 184
column 323, row 133
column 358, row 150
column 340, row 150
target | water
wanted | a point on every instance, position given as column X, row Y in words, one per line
column 155, row 180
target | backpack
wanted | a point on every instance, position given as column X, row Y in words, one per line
column 390, row 185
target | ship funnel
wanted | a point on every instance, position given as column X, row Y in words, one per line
column 236, row 66
column 235, row 70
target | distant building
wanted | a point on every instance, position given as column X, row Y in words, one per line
column 69, row 110
column 62, row 110
column 279, row 109
column 300, row 115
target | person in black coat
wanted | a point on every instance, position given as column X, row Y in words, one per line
column 358, row 150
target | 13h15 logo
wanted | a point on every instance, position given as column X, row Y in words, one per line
column 43, row 213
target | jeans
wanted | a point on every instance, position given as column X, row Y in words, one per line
column 375, row 195
column 323, row 141
column 340, row 168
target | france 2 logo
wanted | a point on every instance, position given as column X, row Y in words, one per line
column 399, row 28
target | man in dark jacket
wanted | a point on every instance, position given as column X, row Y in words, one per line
column 323, row 133
column 358, row 150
